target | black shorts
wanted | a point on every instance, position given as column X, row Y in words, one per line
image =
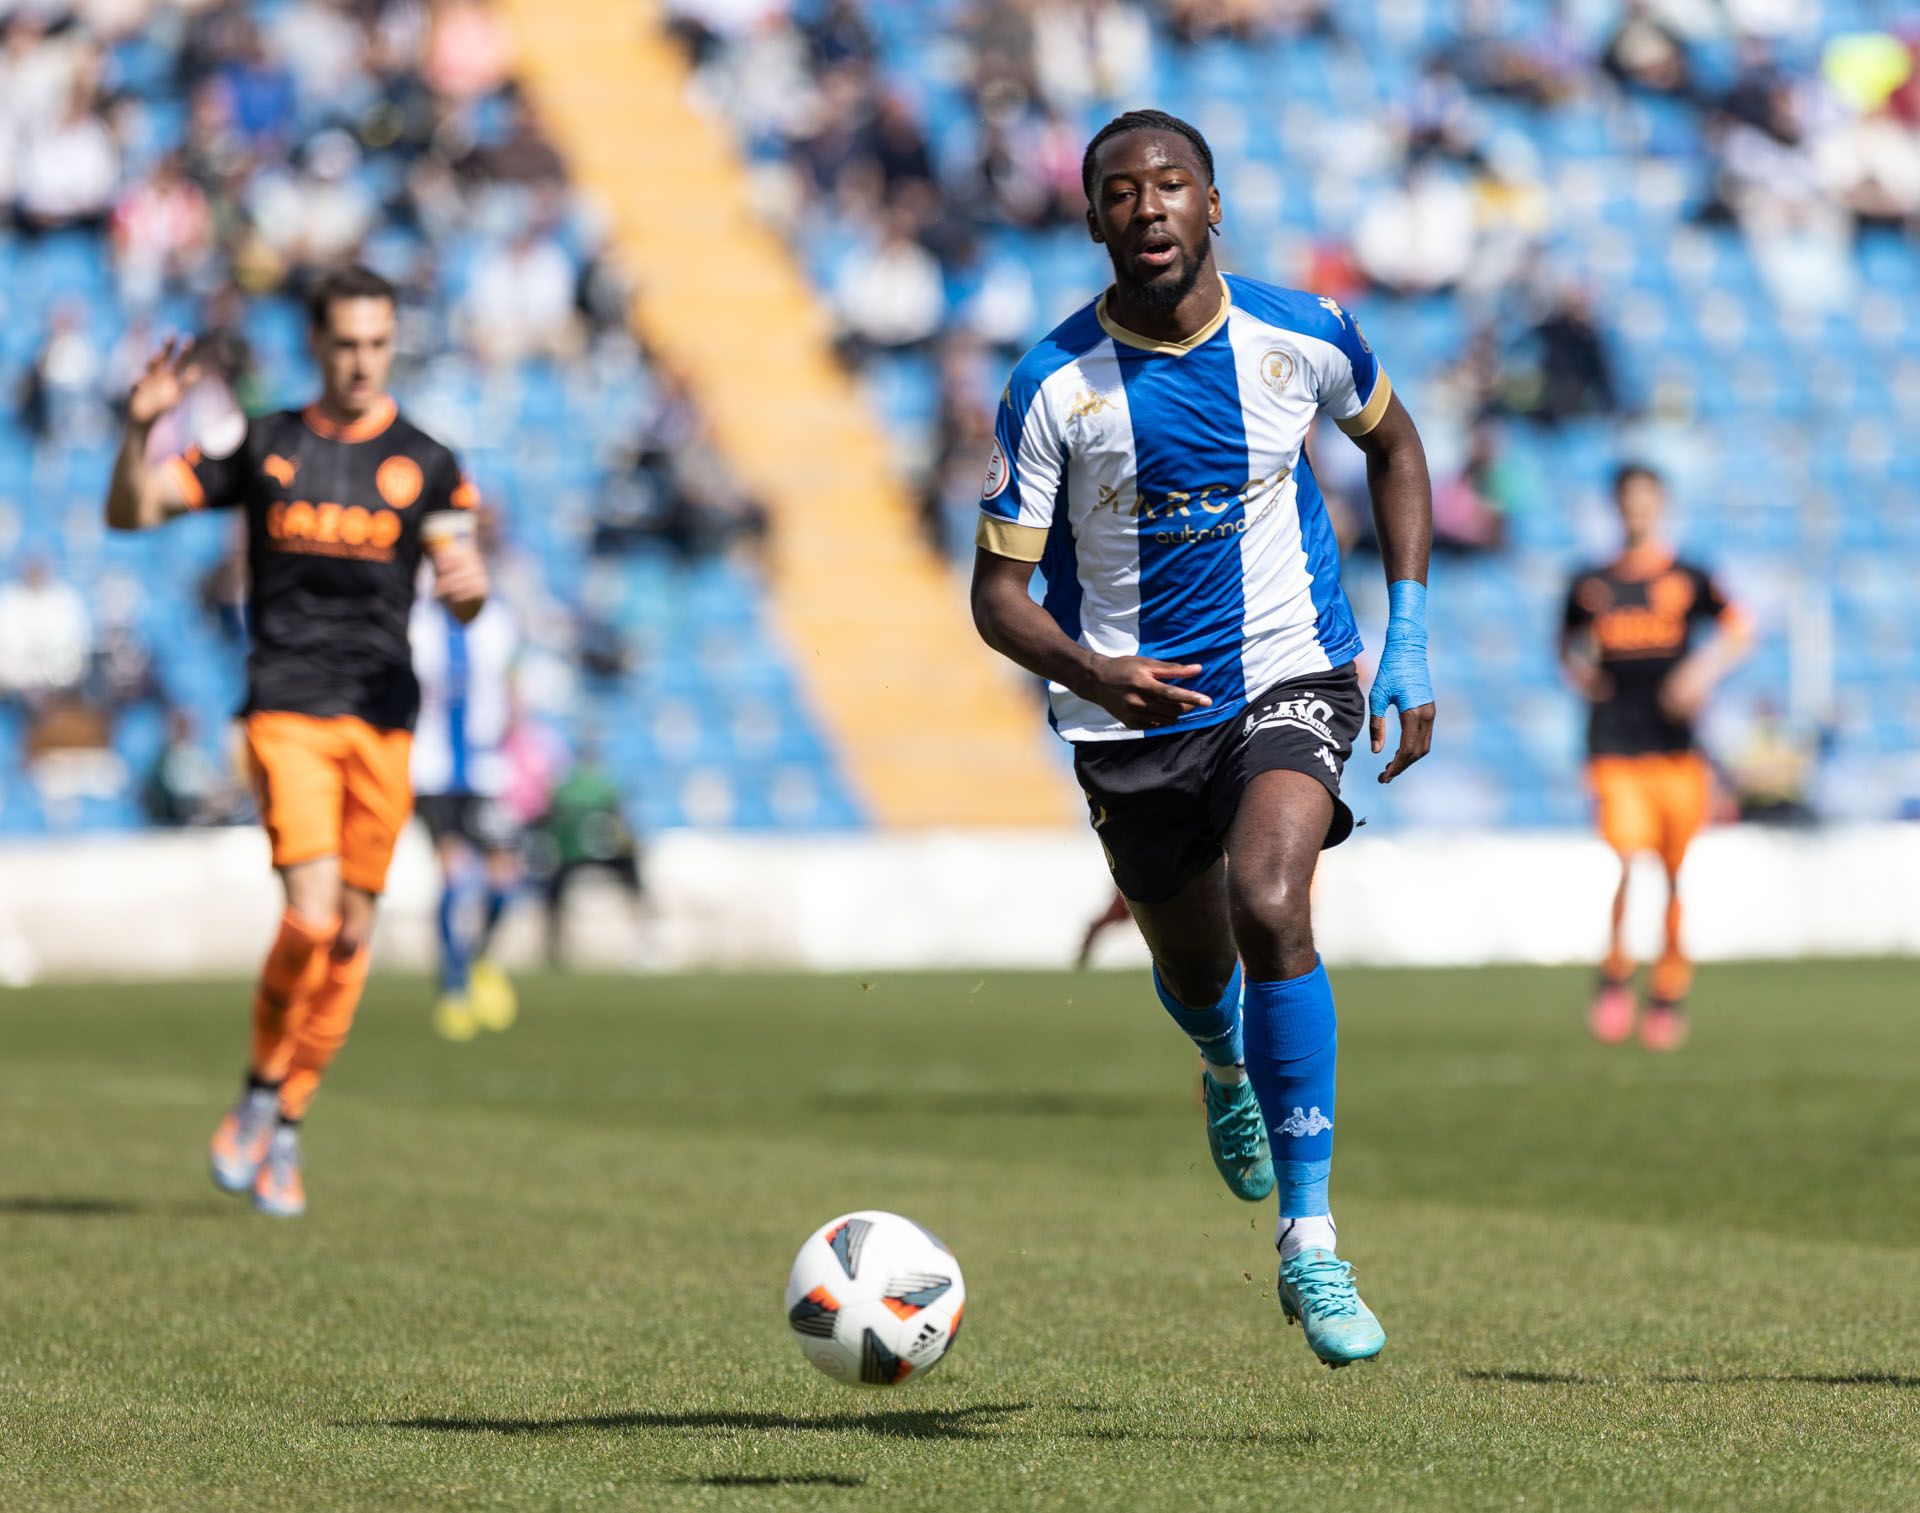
column 481, row 822
column 1162, row 805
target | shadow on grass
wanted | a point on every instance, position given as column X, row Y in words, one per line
column 68, row 1208
column 798, row 1479
column 979, row 1421
column 1049, row 1103
column 1699, row 1379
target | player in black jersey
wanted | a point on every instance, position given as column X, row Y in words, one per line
column 342, row 500
column 1639, row 642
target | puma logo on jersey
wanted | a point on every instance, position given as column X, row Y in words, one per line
column 280, row 469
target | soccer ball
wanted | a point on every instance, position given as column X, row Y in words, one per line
column 874, row 1299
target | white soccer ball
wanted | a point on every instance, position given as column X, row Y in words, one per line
column 874, row 1300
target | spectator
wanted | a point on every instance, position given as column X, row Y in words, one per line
column 162, row 233
column 1088, row 52
column 187, row 785
column 46, row 639
column 1574, row 375
column 316, row 216
column 68, row 170
column 1772, row 771
column 521, row 303
column 1418, row 238
column 60, row 392
column 259, row 89
column 891, row 297
column 1470, row 506
column 1645, row 52
column 585, row 829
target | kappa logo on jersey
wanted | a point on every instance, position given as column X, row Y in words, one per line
column 1332, row 307
column 1301, row 1123
column 280, row 469
column 1089, row 402
column 1307, row 714
column 399, row 481
column 998, row 473
column 1276, row 369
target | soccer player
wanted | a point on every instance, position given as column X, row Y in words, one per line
column 460, row 774
column 1632, row 645
column 342, row 499
column 1199, row 650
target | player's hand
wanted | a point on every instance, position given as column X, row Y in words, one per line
column 168, row 375
column 1589, row 681
column 1141, row 692
column 459, row 577
column 1683, row 694
column 1401, row 681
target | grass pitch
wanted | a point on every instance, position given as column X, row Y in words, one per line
column 544, row 1269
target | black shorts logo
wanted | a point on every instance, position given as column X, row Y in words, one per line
column 1309, row 714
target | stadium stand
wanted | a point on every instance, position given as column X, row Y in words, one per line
column 1546, row 215
column 1575, row 233
column 155, row 158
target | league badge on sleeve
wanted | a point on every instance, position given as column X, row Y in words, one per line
column 998, row 472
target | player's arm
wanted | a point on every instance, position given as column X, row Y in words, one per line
column 140, row 495
column 451, row 539
column 1134, row 690
column 1578, row 661
column 1683, row 694
column 1402, row 494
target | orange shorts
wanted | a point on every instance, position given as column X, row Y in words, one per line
column 331, row 787
column 1653, row 802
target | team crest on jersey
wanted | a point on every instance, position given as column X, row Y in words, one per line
column 1276, row 369
column 399, row 481
column 997, row 473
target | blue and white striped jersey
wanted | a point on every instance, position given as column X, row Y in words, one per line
column 1165, row 494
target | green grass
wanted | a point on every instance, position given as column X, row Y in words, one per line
column 544, row 1269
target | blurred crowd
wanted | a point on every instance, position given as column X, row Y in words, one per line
column 214, row 155
column 931, row 267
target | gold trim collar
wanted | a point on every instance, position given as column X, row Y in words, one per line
column 1167, row 348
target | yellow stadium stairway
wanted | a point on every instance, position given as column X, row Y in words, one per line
column 931, row 727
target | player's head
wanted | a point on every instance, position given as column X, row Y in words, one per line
column 350, row 315
column 1152, row 203
column 1640, row 494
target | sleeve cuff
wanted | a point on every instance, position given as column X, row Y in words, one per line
column 1367, row 419
column 1009, row 538
column 192, row 495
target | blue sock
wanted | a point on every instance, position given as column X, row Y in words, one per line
column 497, row 900
column 453, row 946
column 1292, row 1043
column 1216, row 1030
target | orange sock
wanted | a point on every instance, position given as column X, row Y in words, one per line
column 324, row 1031
column 1673, row 973
column 294, row 970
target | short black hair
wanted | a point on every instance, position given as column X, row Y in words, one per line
column 1628, row 471
column 1145, row 120
column 356, row 281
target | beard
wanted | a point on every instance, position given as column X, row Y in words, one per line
column 1165, row 292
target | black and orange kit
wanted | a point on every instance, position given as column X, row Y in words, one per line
column 1645, row 767
column 334, row 544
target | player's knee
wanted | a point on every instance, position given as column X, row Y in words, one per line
column 1273, row 923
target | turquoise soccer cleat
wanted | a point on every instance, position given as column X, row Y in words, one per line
column 1316, row 1291
column 1237, row 1136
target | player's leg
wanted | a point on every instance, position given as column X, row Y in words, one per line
column 377, row 804
column 1628, row 824
column 1196, row 976
column 297, row 783
column 495, row 1004
column 1685, row 796
column 453, row 1009
column 1292, row 1046
column 1114, row 913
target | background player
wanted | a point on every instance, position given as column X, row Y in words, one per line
column 1630, row 643
column 460, row 777
column 1199, row 648
column 341, row 500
